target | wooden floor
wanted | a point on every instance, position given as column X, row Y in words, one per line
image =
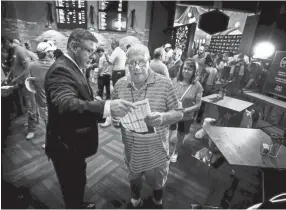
column 190, row 181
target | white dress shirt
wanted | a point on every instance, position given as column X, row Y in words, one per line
column 118, row 59
column 107, row 111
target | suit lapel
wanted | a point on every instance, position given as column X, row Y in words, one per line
column 81, row 76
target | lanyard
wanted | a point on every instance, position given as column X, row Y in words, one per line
column 133, row 96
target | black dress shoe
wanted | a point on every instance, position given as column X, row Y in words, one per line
column 88, row 205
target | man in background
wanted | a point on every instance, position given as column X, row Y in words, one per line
column 175, row 63
column 200, row 59
column 167, row 55
column 157, row 65
column 38, row 70
column 19, row 72
column 117, row 60
column 104, row 74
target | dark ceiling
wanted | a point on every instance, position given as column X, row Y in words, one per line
column 243, row 6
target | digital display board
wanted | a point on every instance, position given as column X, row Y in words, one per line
column 71, row 14
column 276, row 82
column 112, row 15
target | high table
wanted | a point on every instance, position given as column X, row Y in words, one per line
column 227, row 102
column 226, row 105
column 266, row 99
column 242, row 146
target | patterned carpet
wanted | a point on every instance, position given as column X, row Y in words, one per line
column 190, row 181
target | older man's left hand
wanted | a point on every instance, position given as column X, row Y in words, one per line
column 155, row 119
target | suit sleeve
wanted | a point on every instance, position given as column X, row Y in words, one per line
column 61, row 89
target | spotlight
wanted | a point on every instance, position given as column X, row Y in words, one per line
column 263, row 50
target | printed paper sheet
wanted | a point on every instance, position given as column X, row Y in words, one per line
column 134, row 121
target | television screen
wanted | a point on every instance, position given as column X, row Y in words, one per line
column 112, row 15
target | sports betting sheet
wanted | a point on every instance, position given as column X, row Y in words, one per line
column 134, row 120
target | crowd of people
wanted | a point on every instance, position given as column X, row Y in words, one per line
column 61, row 94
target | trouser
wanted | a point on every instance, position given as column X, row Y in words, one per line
column 43, row 111
column 156, row 177
column 30, row 102
column 116, row 75
column 207, row 91
column 71, row 173
column 104, row 81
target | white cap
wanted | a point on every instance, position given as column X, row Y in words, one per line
column 168, row 45
column 45, row 47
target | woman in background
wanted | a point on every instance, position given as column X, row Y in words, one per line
column 219, row 63
column 189, row 92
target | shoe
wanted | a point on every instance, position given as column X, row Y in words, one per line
column 107, row 122
column 88, row 205
column 149, row 204
column 174, row 158
column 30, row 135
column 98, row 98
column 44, row 146
column 160, row 206
column 130, row 205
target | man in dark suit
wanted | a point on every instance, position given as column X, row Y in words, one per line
column 73, row 114
column 176, row 63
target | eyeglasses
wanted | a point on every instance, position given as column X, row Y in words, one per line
column 189, row 68
column 139, row 63
column 88, row 50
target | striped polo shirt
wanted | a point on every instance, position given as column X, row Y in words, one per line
column 144, row 152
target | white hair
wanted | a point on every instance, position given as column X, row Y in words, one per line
column 138, row 49
column 178, row 51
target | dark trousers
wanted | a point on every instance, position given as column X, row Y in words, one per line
column 207, row 91
column 104, row 81
column 71, row 174
column 116, row 75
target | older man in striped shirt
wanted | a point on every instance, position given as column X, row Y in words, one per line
column 147, row 155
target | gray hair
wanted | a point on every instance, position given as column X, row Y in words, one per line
column 178, row 51
column 138, row 49
column 80, row 34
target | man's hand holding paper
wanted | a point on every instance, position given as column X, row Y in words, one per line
column 154, row 119
column 134, row 121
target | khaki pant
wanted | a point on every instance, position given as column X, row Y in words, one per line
column 156, row 177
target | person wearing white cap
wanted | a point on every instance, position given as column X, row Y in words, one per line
column 38, row 70
column 168, row 54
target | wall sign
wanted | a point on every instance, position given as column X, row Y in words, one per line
column 225, row 43
column 276, row 83
column 71, row 14
column 112, row 15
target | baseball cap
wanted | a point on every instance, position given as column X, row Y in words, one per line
column 45, row 47
column 168, row 45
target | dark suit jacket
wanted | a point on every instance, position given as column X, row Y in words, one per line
column 72, row 112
